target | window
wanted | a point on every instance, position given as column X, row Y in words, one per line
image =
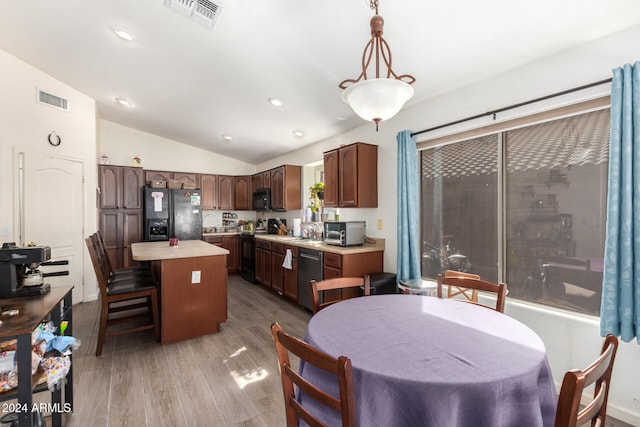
column 525, row 206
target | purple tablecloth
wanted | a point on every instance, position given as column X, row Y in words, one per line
column 424, row 361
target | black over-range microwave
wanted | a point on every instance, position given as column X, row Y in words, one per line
column 262, row 200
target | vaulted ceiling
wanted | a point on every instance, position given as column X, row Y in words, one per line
column 195, row 84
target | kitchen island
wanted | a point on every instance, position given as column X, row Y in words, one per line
column 193, row 286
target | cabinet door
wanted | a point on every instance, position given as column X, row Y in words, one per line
column 331, row 178
column 348, row 176
column 277, row 188
column 242, row 187
column 209, row 188
column 110, row 185
column 225, row 195
column 110, row 227
column 259, row 265
column 232, row 244
column 277, row 272
column 187, row 178
column 291, row 278
column 263, row 266
column 266, row 179
column 150, row 175
column 257, row 182
column 131, row 233
column 132, row 184
column 267, row 264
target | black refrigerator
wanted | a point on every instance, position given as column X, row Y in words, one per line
column 172, row 213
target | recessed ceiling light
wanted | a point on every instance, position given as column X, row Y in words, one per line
column 227, row 137
column 275, row 102
column 123, row 34
column 124, row 102
column 298, row 133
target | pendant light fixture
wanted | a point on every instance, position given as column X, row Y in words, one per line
column 380, row 98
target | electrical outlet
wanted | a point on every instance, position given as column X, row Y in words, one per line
column 195, row 276
column 379, row 224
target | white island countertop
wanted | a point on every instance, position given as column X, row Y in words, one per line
column 151, row 251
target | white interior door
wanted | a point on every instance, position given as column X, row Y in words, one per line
column 51, row 195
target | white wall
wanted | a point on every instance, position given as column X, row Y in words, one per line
column 25, row 125
column 122, row 143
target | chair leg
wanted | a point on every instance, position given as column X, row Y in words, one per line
column 104, row 313
column 155, row 315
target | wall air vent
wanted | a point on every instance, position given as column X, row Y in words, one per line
column 52, row 100
column 204, row 12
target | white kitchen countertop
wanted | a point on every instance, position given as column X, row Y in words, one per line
column 321, row 246
column 151, row 251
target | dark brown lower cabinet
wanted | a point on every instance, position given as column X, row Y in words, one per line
column 277, row 275
column 291, row 276
column 263, row 263
column 350, row 265
column 120, row 228
column 232, row 244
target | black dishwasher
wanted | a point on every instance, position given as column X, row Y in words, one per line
column 309, row 268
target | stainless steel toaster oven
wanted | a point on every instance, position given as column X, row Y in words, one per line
column 345, row 233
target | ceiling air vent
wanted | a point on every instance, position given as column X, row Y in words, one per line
column 52, row 100
column 204, row 12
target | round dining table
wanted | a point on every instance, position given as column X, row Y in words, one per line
column 425, row 361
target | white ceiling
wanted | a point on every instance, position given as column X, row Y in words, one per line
column 193, row 84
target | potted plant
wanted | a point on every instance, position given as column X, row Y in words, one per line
column 316, row 195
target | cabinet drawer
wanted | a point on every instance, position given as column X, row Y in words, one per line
column 332, row 260
column 214, row 240
column 277, row 248
column 330, row 273
column 263, row 245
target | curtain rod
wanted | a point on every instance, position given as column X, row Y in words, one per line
column 499, row 110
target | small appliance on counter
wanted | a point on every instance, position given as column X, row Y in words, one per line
column 345, row 233
column 19, row 274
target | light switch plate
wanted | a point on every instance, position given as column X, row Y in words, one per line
column 195, row 276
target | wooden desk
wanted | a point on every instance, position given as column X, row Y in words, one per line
column 193, row 286
column 56, row 306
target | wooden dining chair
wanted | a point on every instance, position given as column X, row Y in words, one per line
column 500, row 290
column 342, row 283
column 453, row 291
column 575, row 381
column 131, row 299
column 105, row 261
column 340, row 367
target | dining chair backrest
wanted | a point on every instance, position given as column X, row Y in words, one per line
column 101, row 277
column 453, row 291
column 101, row 247
column 575, row 381
column 340, row 367
column 499, row 290
column 319, row 287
